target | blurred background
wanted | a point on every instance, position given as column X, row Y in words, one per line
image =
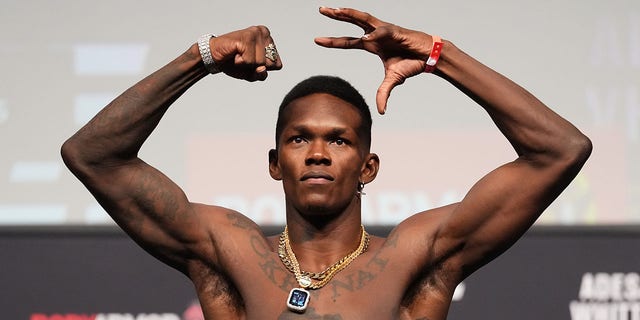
column 62, row 61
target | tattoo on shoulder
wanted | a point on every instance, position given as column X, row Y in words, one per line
column 392, row 240
column 241, row 222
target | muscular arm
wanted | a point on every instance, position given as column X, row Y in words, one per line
column 505, row 203
column 103, row 154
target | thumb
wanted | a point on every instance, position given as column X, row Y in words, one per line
column 384, row 91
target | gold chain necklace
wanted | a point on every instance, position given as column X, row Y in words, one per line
column 299, row 297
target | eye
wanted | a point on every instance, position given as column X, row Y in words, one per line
column 339, row 141
column 297, row 139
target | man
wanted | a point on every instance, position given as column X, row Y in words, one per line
column 324, row 265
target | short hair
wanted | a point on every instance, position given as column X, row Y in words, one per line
column 334, row 86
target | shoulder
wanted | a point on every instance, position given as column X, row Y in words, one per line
column 422, row 225
column 217, row 217
column 412, row 239
column 225, row 228
column 419, row 240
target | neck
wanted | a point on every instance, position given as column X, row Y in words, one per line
column 319, row 245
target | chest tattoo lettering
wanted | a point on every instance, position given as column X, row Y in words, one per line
column 310, row 314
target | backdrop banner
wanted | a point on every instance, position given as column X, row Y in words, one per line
column 80, row 273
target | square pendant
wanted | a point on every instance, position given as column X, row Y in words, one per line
column 298, row 300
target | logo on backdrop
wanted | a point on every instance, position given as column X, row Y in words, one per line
column 607, row 296
column 192, row 312
column 106, row 316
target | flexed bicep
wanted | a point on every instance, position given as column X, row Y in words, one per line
column 148, row 206
column 500, row 208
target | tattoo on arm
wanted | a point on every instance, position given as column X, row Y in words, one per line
column 241, row 222
column 155, row 199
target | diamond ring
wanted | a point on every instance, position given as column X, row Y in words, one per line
column 271, row 53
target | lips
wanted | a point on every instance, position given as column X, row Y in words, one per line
column 316, row 176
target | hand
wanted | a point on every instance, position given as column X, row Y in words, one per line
column 403, row 52
column 242, row 54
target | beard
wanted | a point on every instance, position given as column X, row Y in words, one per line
column 322, row 213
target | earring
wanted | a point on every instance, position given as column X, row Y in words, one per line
column 360, row 188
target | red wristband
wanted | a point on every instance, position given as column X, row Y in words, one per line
column 436, row 48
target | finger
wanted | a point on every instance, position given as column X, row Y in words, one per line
column 384, row 91
column 246, row 53
column 259, row 67
column 362, row 19
column 340, row 42
column 252, row 57
column 261, row 73
column 378, row 34
column 382, row 97
column 251, row 75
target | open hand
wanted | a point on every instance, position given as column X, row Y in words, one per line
column 403, row 52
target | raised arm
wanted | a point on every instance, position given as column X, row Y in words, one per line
column 103, row 154
column 506, row 202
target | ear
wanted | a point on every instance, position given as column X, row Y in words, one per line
column 370, row 168
column 274, row 168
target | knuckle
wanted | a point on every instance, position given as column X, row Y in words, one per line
column 262, row 30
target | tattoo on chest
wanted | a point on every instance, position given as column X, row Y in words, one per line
column 358, row 279
column 272, row 268
column 310, row 314
column 354, row 281
column 377, row 263
column 351, row 281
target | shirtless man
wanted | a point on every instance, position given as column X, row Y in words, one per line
column 322, row 158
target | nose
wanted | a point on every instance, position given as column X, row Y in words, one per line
column 317, row 155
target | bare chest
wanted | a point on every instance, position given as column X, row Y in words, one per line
column 370, row 288
column 352, row 295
